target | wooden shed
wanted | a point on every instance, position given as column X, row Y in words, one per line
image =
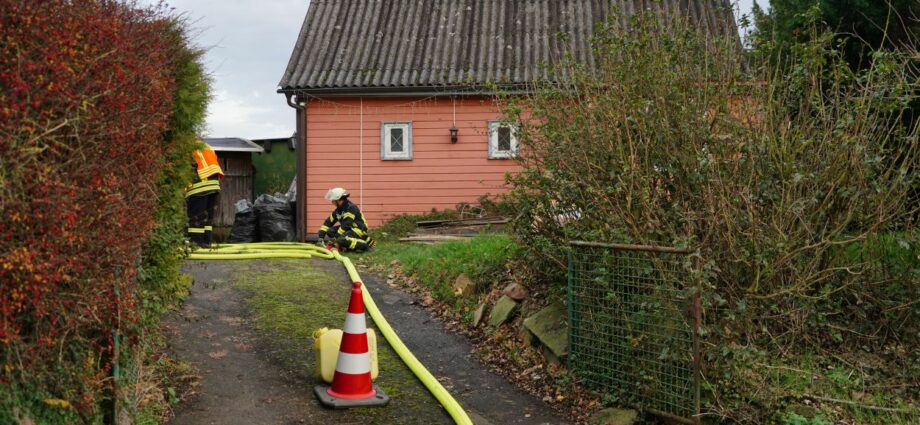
column 235, row 156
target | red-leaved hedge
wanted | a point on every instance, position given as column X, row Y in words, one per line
column 85, row 97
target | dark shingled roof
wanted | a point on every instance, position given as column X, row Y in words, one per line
column 367, row 45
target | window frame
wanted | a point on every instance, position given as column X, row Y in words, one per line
column 494, row 152
column 385, row 153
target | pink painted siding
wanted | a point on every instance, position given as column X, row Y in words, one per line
column 343, row 152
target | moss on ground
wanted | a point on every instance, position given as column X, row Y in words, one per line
column 290, row 299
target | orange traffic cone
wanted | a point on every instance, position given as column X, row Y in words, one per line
column 351, row 384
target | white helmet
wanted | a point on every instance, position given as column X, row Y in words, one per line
column 336, row 193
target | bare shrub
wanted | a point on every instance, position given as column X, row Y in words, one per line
column 791, row 181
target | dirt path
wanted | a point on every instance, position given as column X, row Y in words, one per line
column 488, row 398
column 239, row 384
column 245, row 382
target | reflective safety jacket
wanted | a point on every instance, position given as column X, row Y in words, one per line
column 209, row 173
column 351, row 222
column 206, row 163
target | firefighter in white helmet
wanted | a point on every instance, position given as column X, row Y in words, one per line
column 346, row 225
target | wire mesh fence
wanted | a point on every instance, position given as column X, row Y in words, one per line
column 634, row 320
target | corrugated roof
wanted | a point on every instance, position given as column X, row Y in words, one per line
column 375, row 44
column 232, row 144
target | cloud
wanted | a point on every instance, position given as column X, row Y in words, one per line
column 251, row 117
column 248, row 45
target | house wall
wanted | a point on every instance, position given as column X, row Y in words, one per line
column 343, row 149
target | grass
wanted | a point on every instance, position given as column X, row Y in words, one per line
column 290, row 299
column 482, row 259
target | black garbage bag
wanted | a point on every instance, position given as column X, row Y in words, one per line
column 245, row 223
column 276, row 219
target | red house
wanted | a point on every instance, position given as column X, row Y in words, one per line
column 393, row 97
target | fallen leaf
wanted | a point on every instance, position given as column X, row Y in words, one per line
column 217, row 354
column 232, row 321
column 56, row 402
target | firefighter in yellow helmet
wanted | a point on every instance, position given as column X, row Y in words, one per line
column 201, row 196
column 346, row 225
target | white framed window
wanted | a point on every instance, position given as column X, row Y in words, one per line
column 502, row 142
column 396, row 141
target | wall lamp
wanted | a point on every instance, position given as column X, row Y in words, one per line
column 453, row 134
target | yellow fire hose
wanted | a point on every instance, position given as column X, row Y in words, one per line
column 249, row 251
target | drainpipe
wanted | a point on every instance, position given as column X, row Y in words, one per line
column 301, row 153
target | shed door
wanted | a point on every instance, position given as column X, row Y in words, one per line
column 237, row 184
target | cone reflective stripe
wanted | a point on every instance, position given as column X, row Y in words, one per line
column 352, row 378
column 354, row 324
column 353, row 364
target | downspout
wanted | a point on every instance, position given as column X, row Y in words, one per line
column 301, row 111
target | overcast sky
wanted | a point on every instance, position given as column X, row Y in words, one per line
column 249, row 43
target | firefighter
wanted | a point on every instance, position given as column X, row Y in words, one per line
column 201, row 197
column 350, row 234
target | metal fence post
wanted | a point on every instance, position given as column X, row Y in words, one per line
column 568, row 293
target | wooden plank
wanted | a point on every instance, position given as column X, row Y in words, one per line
column 352, row 119
column 481, row 153
column 376, row 163
column 394, row 181
column 323, row 180
column 232, row 189
column 464, row 222
column 236, row 163
column 479, row 132
column 497, row 168
column 411, row 191
column 348, row 145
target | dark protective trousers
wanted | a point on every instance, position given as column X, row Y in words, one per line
column 350, row 241
column 200, row 209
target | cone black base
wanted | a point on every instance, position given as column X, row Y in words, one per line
column 379, row 399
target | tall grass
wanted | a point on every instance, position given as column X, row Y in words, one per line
column 482, row 259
